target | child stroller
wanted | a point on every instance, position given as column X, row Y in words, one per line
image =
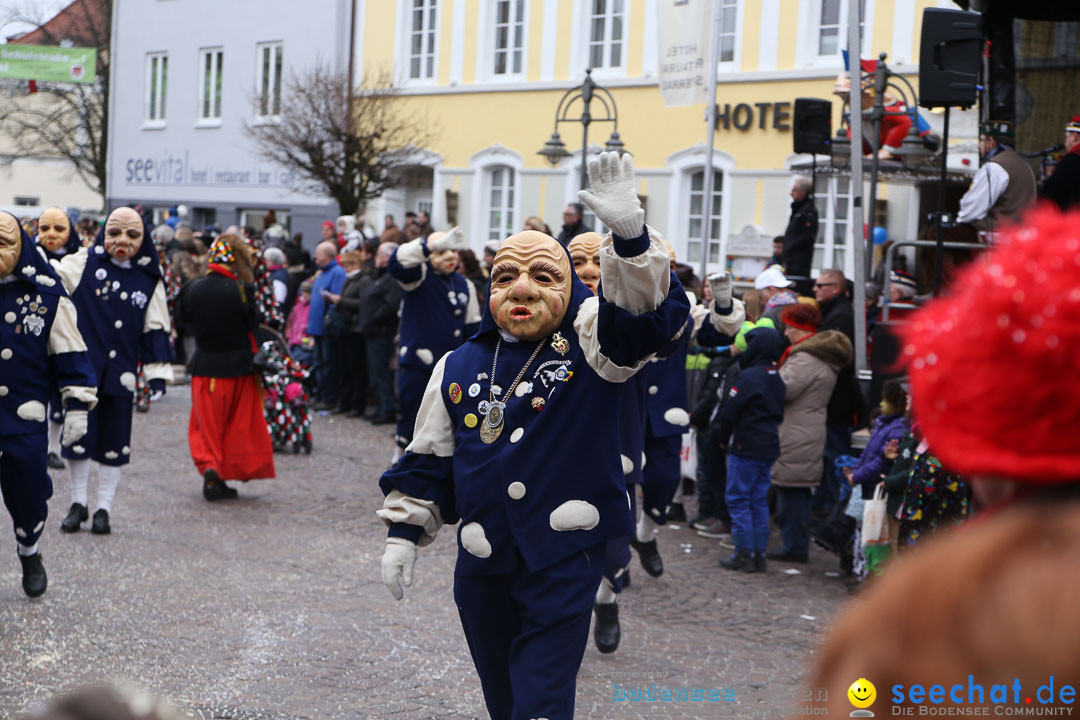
column 286, row 400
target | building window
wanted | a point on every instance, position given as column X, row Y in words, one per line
column 696, row 217
column 268, row 67
column 210, row 92
column 501, row 202
column 729, row 10
column 509, row 36
column 157, row 74
column 606, row 33
column 422, row 39
column 833, row 199
column 832, row 24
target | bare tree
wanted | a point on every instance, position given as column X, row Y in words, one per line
column 349, row 156
column 62, row 121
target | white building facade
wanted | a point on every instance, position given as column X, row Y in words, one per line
column 187, row 76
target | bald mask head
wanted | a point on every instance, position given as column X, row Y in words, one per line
column 123, row 233
column 53, row 228
column 10, row 243
column 585, row 254
column 444, row 261
column 530, row 285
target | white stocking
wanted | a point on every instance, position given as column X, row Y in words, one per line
column 27, row 550
column 108, row 479
column 78, row 477
column 678, row 493
column 645, row 528
column 604, row 594
column 54, row 436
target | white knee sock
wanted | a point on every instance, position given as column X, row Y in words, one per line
column 27, row 550
column 108, row 479
column 604, row 594
column 78, row 477
column 645, row 528
column 678, row 493
column 54, row 436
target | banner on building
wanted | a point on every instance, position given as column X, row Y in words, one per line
column 48, row 64
column 684, row 50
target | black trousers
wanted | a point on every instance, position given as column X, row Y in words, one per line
column 354, row 373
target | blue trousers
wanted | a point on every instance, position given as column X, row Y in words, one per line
column 412, row 381
column 661, row 475
column 25, row 482
column 527, row 633
column 108, row 433
column 793, row 515
column 327, row 369
column 837, row 443
column 748, row 483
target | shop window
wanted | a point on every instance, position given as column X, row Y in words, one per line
column 157, row 74
column 696, row 217
column 500, row 210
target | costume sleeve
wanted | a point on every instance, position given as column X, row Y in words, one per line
column 70, row 268
column 408, row 264
column 281, row 292
column 155, row 354
column 724, row 324
column 419, row 489
column 472, row 311
column 648, row 308
column 69, row 363
column 986, row 187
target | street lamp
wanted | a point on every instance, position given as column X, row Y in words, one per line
column 555, row 149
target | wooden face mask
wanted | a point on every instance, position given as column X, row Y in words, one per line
column 530, row 285
column 123, row 233
column 53, row 229
column 10, row 243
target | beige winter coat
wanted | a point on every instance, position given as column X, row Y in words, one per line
column 809, row 374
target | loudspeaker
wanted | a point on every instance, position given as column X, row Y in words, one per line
column 812, row 126
column 949, row 58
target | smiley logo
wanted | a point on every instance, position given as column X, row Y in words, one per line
column 862, row 693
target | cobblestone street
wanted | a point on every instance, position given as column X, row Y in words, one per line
column 272, row 605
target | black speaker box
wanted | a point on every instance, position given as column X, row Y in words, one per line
column 812, row 126
column 949, row 58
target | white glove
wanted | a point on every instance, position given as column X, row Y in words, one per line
column 74, row 426
column 614, row 197
column 397, row 565
column 720, row 285
column 454, row 239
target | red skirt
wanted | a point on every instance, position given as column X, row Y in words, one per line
column 227, row 431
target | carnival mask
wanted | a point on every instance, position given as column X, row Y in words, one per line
column 585, row 254
column 444, row 261
column 530, row 285
column 123, row 233
column 53, row 229
column 10, row 243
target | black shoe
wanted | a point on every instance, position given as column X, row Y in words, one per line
column 741, row 560
column 340, row 410
column 383, row 420
column 101, row 523
column 606, row 633
column 212, row 485
column 228, row 493
column 676, row 513
column 788, row 557
column 55, row 462
column 649, row 556
column 76, row 516
column 758, row 564
column 355, row 414
column 34, row 579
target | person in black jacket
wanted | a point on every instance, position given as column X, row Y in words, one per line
column 713, row 519
column 573, row 223
column 1063, row 185
column 802, row 229
column 837, row 313
column 227, row 432
column 751, row 415
column 352, row 398
column 377, row 319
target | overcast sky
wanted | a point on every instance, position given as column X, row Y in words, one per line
column 46, row 8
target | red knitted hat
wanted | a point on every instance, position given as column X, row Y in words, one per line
column 802, row 316
column 993, row 366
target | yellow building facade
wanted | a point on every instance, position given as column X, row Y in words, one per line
column 487, row 75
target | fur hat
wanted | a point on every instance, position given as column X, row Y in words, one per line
column 993, row 364
column 802, row 316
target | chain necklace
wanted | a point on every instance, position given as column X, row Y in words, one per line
column 492, row 427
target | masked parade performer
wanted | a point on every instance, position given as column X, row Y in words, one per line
column 517, row 438
column 118, row 290
column 41, row 351
column 440, row 310
column 56, row 235
column 639, row 419
column 227, row 432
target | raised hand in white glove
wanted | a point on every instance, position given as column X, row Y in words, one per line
column 720, row 285
column 397, row 565
column 453, row 239
column 614, row 197
column 74, row 426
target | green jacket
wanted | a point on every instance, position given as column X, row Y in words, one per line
column 897, row 479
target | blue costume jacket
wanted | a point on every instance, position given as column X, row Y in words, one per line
column 552, row 484
column 40, row 346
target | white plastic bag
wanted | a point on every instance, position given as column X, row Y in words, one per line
column 875, row 523
column 688, row 455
